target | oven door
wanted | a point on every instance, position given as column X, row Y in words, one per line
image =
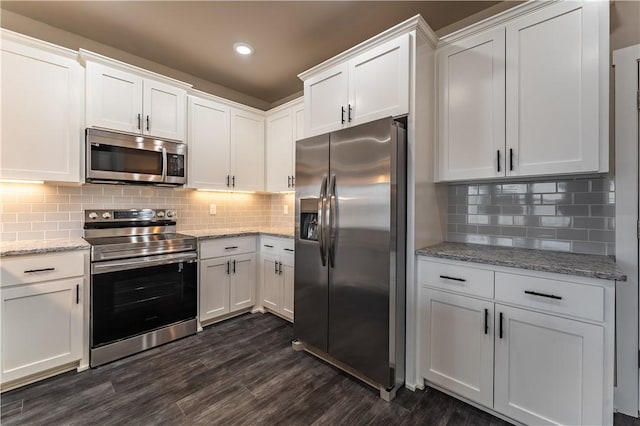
column 134, row 296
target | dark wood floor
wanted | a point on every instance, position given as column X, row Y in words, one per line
column 242, row 371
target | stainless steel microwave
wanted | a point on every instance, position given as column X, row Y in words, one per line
column 120, row 158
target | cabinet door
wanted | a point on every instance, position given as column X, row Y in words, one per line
column 164, row 110
column 325, row 101
column 279, row 151
column 459, row 344
column 41, row 327
column 247, row 150
column 471, row 117
column 208, row 144
column 271, row 283
column 42, row 101
column 114, row 99
column 553, row 90
column 287, row 287
column 243, row 282
column 214, row 287
column 379, row 82
column 548, row 370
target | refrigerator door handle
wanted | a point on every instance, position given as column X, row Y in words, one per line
column 331, row 219
column 321, row 222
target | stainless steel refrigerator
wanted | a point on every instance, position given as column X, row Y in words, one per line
column 350, row 251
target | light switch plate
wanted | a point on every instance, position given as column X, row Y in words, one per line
column 212, row 209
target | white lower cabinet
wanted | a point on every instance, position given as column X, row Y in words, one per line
column 539, row 351
column 41, row 319
column 459, row 333
column 548, row 370
column 277, row 272
column 226, row 283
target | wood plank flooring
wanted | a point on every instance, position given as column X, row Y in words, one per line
column 242, row 371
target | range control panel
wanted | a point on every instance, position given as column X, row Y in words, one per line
column 130, row 215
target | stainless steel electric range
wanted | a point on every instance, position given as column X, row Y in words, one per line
column 143, row 281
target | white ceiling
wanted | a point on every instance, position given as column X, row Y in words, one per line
column 196, row 37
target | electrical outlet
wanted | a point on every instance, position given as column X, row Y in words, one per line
column 286, row 209
column 212, row 209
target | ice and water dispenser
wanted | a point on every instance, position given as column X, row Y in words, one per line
column 309, row 219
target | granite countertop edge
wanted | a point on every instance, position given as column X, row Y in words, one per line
column 27, row 247
column 607, row 271
column 216, row 234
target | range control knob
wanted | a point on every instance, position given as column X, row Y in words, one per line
column 93, row 215
column 106, row 215
column 170, row 214
column 160, row 214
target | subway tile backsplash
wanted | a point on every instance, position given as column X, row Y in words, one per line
column 29, row 212
column 574, row 215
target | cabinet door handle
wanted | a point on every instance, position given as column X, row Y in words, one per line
column 227, row 181
column 501, row 325
column 233, row 181
column 139, row 121
column 498, row 161
column 77, row 294
column 293, row 181
column 231, row 247
column 228, row 267
column 342, row 114
column 268, row 245
column 486, row 321
column 511, row 159
column 276, row 264
column 446, row 277
column 280, row 268
column 147, row 122
column 33, row 271
column 288, row 249
column 234, row 266
column 349, row 114
column 550, row 296
column 288, row 181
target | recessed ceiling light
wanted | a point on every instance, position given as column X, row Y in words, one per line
column 243, row 48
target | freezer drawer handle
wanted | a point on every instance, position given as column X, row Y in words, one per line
column 550, row 296
column 446, row 277
column 33, row 271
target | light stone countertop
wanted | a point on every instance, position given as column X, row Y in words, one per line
column 582, row 265
column 207, row 234
column 25, row 247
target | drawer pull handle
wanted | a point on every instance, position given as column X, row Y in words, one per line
column 550, row 296
column 268, row 245
column 33, row 271
column 486, row 321
column 289, row 249
column 446, row 277
column 231, row 248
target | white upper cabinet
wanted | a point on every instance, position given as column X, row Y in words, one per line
column 527, row 98
column 284, row 127
column 209, row 144
column 247, row 150
column 371, row 85
column 42, row 123
column 124, row 101
column 379, row 82
column 326, row 98
column 553, row 90
column 471, row 118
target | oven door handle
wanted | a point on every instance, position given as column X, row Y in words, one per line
column 141, row 262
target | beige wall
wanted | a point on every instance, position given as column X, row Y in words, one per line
column 21, row 24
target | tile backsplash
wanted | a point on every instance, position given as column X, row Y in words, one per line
column 572, row 215
column 52, row 211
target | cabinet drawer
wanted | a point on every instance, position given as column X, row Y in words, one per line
column 562, row 297
column 463, row 279
column 276, row 246
column 227, row 247
column 44, row 267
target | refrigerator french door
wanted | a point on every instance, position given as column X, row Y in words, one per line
column 350, row 255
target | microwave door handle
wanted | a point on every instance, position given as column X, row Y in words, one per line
column 164, row 164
